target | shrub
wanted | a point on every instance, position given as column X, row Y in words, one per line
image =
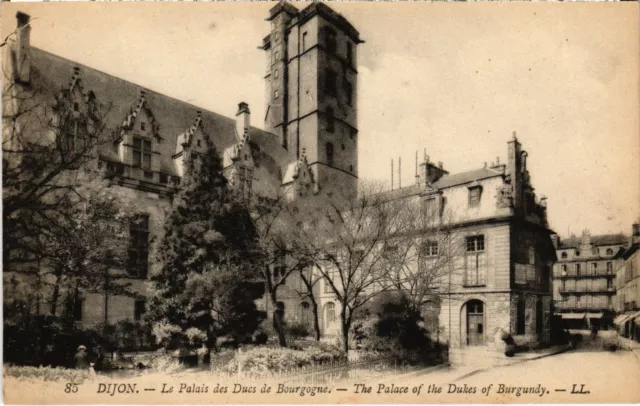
column 297, row 330
column 390, row 324
column 264, row 360
column 47, row 340
column 46, row 373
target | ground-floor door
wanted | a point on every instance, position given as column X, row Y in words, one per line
column 475, row 323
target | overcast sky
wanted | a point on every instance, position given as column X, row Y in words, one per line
column 456, row 79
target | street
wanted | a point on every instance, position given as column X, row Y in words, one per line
column 607, row 377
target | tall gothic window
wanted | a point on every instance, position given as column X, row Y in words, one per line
column 138, row 263
column 329, row 150
column 330, row 120
column 475, row 261
column 330, row 84
column 141, row 153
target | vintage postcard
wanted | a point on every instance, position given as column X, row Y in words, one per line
column 326, row 202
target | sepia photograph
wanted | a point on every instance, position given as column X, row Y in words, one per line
column 320, row 202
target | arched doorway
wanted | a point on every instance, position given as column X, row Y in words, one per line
column 475, row 322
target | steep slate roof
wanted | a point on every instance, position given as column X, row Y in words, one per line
column 596, row 240
column 118, row 97
column 444, row 182
column 465, row 177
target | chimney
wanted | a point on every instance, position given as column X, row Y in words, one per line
column 429, row 172
column 243, row 120
column 635, row 233
column 23, row 48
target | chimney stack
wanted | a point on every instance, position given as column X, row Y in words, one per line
column 243, row 120
column 23, row 48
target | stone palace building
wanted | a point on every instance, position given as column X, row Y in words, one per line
column 309, row 147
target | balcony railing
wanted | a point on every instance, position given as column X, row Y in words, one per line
column 588, row 275
column 562, row 306
column 579, row 290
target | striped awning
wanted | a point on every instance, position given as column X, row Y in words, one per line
column 573, row 316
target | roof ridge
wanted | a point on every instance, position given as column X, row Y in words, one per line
column 147, row 89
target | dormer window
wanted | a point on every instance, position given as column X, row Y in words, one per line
column 199, row 143
column 76, row 106
column 141, row 153
column 143, row 126
column 474, row 196
column 563, row 255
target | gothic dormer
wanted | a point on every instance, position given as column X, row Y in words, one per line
column 298, row 179
column 193, row 140
column 139, row 139
column 75, row 115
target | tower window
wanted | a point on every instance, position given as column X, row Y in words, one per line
column 350, row 53
column 348, row 89
column 304, row 41
column 331, row 41
column 330, row 82
column 329, row 150
column 276, row 55
column 350, row 168
column 276, row 74
column 76, row 106
column 330, row 120
column 276, row 94
column 199, row 143
column 143, row 126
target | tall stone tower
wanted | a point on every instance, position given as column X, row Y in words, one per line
column 312, row 92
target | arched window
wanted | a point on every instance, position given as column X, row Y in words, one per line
column 609, row 251
column 564, row 255
column 329, row 148
column 330, row 314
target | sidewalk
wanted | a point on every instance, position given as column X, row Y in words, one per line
column 486, row 357
column 472, row 360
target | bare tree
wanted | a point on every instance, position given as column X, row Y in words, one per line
column 430, row 258
column 347, row 241
column 275, row 222
column 50, row 148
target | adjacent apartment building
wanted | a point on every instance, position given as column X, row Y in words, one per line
column 309, row 147
column 584, row 279
column 627, row 303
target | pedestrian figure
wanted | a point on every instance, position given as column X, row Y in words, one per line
column 82, row 358
column 594, row 332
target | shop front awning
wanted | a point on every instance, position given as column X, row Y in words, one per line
column 594, row 315
column 573, row 316
column 620, row 319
